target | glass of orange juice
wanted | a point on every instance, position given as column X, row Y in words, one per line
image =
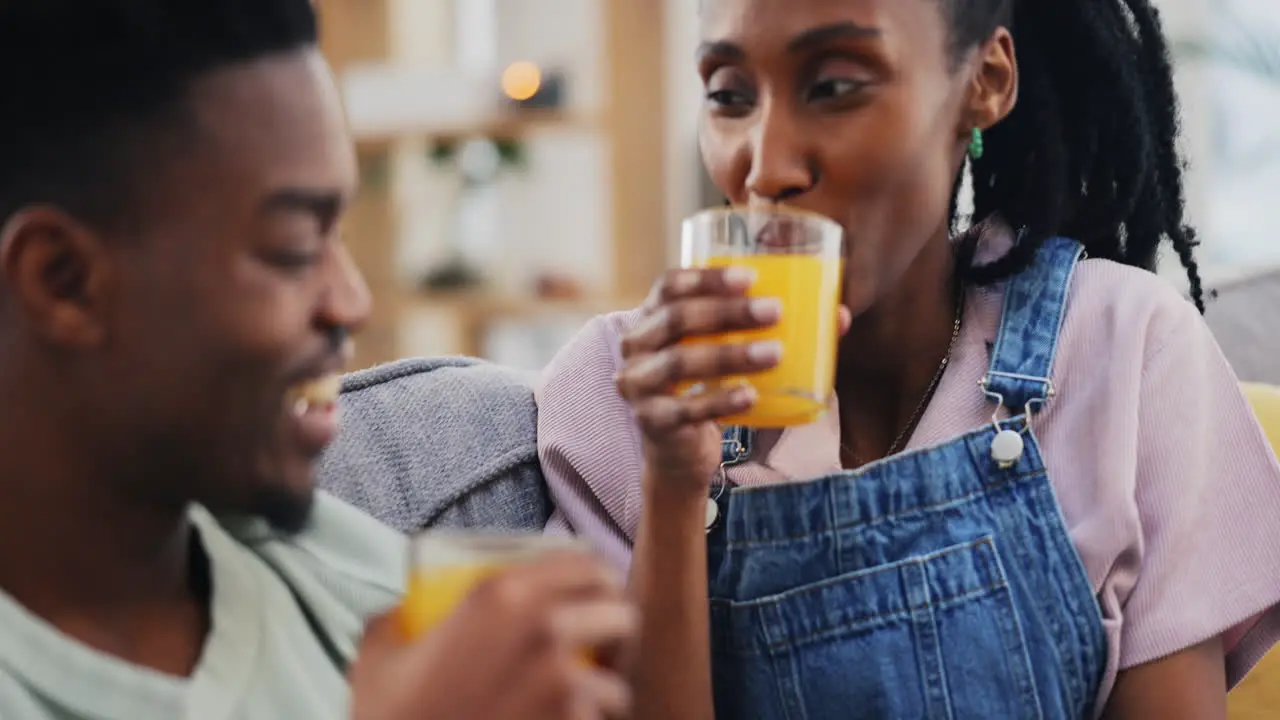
column 798, row 258
column 444, row 567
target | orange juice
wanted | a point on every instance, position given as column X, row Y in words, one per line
column 433, row 594
column 797, row 391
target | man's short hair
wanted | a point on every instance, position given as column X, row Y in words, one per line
column 89, row 89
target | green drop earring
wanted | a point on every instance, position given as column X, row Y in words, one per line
column 975, row 144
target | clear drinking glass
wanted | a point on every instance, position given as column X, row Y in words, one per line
column 444, row 567
column 798, row 258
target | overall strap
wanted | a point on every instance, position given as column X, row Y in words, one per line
column 735, row 446
column 735, row 449
column 1034, row 307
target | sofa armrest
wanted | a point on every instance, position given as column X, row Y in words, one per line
column 439, row 442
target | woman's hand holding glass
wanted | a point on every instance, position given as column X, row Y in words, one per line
column 680, row 434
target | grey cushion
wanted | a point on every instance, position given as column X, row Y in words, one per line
column 439, row 442
column 1245, row 318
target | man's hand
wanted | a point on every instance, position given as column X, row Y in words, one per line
column 513, row 650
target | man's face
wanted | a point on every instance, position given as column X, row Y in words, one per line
column 225, row 331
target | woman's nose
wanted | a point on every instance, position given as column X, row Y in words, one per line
column 780, row 167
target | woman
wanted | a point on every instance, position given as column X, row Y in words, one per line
column 894, row 560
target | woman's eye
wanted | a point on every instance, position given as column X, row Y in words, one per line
column 728, row 89
column 835, row 88
column 727, row 98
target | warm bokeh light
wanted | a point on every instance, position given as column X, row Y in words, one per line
column 521, row 80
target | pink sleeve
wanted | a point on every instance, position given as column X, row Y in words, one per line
column 587, row 442
column 1208, row 497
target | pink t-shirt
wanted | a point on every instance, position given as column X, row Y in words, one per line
column 1169, row 488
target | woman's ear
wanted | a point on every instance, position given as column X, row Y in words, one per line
column 994, row 90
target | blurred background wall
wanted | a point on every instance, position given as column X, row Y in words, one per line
column 526, row 162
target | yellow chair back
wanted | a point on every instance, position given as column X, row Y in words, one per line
column 1257, row 697
column 1266, row 404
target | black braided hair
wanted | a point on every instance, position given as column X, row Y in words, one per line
column 92, row 88
column 1090, row 150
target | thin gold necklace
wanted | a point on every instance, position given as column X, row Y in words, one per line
column 900, row 441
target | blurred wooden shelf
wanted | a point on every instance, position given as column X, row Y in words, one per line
column 468, row 317
column 359, row 34
column 505, row 127
column 487, row 306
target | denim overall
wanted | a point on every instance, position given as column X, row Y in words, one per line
column 938, row 583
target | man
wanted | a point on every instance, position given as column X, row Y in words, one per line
column 175, row 304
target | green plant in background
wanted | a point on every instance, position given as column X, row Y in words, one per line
column 511, row 152
column 442, row 152
column 375, row 170
column 478, row 162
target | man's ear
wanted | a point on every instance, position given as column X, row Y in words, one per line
column 58, row 273
column 994, row 89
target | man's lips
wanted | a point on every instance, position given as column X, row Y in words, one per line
column 318, row 393
column 313, row 407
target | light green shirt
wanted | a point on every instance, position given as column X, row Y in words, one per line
column 264, row 659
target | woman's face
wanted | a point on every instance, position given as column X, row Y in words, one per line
column 848, row 108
